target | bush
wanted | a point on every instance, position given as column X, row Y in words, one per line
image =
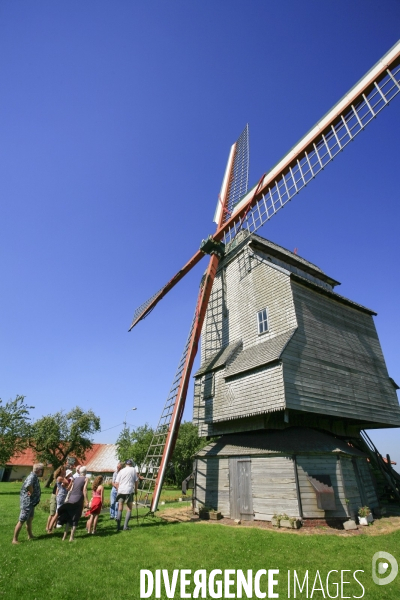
column 364, row 511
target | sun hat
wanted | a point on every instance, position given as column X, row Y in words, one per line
column 68, row 472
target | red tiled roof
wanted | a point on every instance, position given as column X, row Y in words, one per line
column 28, row 457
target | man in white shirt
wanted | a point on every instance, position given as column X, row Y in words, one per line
column 126, row 483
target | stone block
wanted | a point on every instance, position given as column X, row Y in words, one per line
column 350, row 525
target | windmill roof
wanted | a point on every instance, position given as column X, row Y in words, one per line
column 291, row 258
column 293, row 440
column 308, row 267
column 331, row 294
column 259, row 354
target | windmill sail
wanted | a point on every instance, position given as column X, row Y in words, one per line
column 318, row 147
column 144, row 309
column 236, row 178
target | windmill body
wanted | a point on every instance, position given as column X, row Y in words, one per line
column 290, row 373
column 315, row 358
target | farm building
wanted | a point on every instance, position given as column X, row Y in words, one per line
column 290, row 373
column 101, row 459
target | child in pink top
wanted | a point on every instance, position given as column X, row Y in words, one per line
column 95, row 505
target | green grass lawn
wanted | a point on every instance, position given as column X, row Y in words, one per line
column 108, row 565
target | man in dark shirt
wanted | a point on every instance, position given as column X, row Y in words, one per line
column 29, row 497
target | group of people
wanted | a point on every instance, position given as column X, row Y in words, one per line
column 70, row 496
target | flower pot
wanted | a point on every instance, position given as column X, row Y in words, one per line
column 215, row 515
column 366, row 520
column 290, row 524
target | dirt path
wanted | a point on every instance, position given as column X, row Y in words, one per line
column 381, row 526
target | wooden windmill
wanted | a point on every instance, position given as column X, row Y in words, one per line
column 238, row 254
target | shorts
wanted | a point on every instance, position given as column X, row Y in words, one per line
column 26, row 513
column 53, row 505
column 125, row 497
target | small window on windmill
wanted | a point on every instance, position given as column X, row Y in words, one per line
column 208, row 394
column 208, row 385
column 262, row 321
column 245, row 263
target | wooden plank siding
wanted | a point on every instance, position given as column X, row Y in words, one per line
column 320, row 465
column 352, row 492
column 206, row 483
column 262, row 287
column 212, row 484
column 368, row 484
column 279, row 478
column 334, row 363
column 274, row 487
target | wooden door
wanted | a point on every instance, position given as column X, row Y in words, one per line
column 240, row 492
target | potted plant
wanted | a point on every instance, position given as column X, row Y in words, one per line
column 365, row 515
column 276, row 520
column 285, row 521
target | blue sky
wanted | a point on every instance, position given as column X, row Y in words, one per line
column 116, row 120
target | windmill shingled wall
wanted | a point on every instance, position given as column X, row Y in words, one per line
column 331, row 368
column 334, row 363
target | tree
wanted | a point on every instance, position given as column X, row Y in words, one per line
column 134, row 444
column 14, row 428
column 187, row 444
column 55, row 437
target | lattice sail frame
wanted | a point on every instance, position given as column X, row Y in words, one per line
column 311, row 161
column 239, row 181
column 236, row 178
